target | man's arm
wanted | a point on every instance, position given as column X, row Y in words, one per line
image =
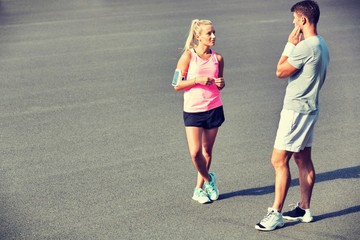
column 284, row 68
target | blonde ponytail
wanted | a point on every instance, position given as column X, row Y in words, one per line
column 195, row 29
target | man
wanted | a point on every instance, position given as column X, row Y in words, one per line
column 304, row 62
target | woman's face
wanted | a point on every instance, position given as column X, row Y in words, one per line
column 207, row 35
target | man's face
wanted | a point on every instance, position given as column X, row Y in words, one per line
column 298, row 20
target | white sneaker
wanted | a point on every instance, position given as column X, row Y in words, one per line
column 200, row 196
column 298, row 214
column 272, row 220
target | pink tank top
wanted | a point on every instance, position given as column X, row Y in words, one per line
column 200, row 98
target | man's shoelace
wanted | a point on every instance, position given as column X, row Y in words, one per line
column 268, row 216
column 293, row 206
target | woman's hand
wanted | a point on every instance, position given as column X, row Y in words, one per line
column 206, row 81
column 220, row 82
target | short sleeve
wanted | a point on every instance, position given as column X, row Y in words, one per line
column 300, row 55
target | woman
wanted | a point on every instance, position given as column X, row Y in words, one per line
column 202, row 74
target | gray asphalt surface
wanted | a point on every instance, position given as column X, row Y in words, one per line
column 92, row 140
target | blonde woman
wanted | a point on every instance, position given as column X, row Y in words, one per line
column 202, row 79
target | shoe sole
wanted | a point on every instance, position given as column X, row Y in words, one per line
column 214, row 199
column 301, row 219
column 269, row 229
column 202, row 202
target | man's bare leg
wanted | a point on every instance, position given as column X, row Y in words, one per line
column 280, row 161
column 306, row 176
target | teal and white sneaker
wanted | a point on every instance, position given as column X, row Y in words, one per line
column 272, row 220
column 200, row 196
column 211, row 188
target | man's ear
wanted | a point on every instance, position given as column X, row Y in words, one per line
column 303, row 20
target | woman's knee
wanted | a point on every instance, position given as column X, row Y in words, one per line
column 195, row 154
column 207, row 154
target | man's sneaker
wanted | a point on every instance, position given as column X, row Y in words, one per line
column 272, row 220
column 211, row 188
column 200, row 196
column 298, row 214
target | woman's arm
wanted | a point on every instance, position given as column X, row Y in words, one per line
column 220, row 82
column 183, row 66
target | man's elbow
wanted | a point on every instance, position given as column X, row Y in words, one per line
column 280, row 74
column 285, row 72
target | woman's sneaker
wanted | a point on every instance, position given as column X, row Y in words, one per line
column 298, row 214
column 200, row 196
column 211, row 188
column 272, row 220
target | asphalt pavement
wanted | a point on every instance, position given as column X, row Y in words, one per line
column 92, row 143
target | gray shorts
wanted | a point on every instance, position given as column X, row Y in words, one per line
column 295, row 131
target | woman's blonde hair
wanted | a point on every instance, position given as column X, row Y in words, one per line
column 195, row 29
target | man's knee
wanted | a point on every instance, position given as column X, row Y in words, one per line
column 302, row 157
column 280, row 158
column 297, row 157
column 278, row 163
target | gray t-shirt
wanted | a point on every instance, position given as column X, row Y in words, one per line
column 311, row 57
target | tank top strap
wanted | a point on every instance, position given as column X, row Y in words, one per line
column 213, row 55
column 193, row 54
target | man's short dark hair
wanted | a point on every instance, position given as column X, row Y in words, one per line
column 309, row 9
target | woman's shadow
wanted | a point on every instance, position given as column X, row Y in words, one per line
column 344, row 173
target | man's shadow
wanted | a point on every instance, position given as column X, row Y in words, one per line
column 345, row 173
column 351, row 172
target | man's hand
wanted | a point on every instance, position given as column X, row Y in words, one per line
column 295, row 36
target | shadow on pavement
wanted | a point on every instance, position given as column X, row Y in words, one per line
column 338, row 213
column 351, row 172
